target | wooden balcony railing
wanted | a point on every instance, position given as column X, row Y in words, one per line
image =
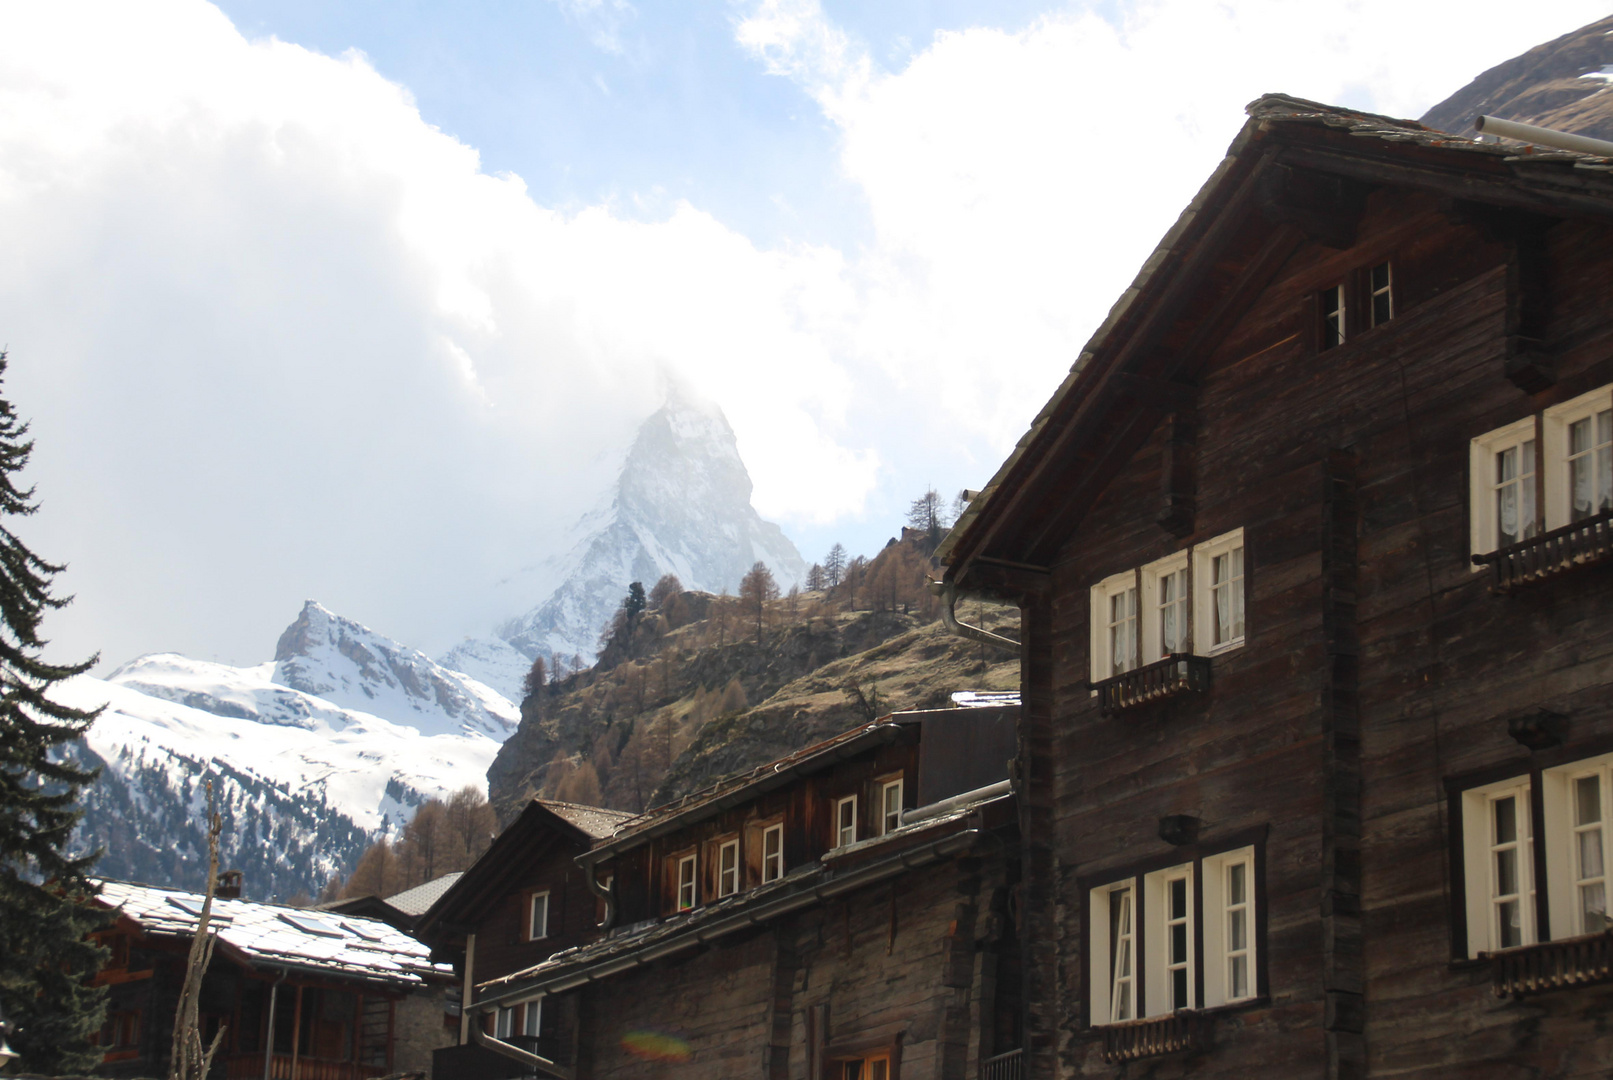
column 1553, row 965
column 1584, row 543
column 1009, row 1066
column 1176, row 1033
column 1178, row 673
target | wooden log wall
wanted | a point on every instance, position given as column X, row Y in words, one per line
column 1415, row 655
column 893, row 967
column 501, row 935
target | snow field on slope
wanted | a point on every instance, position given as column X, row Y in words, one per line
column 347, row 755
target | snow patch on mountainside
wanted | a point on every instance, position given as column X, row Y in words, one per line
column 681, row 505
column 492, row 662
column 369, row 769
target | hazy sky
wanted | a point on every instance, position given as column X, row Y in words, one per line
column 356, row 301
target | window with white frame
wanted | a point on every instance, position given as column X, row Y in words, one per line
column 532, row 1021
column 504, row 1023
column 890, row 806
column 1498, row 849
column 1578, row 443
column 1380, row 294
column 537, row 916
column 1148, row 932
column 1188, row 602
column 1577, row 806
column 772, row 853
column 1330, row 305
column 728, row 868
column 1114, row 626
column 1219, row 603
column 1168, row 903
column 1229, row 936
column 846, row 821
column 1166, row 608
column 1502, row 465
column 687, row 893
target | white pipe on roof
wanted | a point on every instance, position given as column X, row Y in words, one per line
column 1557, row 140
column 946, row 806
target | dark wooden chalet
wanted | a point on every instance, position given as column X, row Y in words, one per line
column 1311, row 551
column 843, row 913
column 521, row 902
column 301, row 994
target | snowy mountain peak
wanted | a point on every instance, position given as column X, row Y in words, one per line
column 680, row 505
column 350, row 665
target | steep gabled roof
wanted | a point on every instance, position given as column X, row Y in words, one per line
column 530, row 837
column 1225, row 246
column 277, row 936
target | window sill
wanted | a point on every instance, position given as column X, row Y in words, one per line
column 1179, row 673
column 1586, row 542
column 1552, row 965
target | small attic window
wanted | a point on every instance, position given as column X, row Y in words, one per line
column 368, row 933
column 1330, row 303
column 310, row 925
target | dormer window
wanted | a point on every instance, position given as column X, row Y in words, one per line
column 772, row 853
column 846, row 821
column 537, row 921
column 728, row 868
column 686, row 883
column 890, row 805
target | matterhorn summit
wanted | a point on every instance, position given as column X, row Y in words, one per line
column 680, row 505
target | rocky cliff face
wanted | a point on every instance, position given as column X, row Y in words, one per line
column 681, row 505
column 348, row 664
column 1563, row 84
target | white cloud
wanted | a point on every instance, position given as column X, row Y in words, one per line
column 281, row 338
column 1015, row 181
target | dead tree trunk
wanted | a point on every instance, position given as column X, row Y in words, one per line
column 190, row 1061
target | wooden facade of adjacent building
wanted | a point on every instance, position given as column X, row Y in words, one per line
column 299, row 994
column 846, row 912
column 1310, row 549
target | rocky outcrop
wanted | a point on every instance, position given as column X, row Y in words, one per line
column 1566, row 84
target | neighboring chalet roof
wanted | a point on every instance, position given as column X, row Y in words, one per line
column 418, row 900
column 742, row 787
column 528, row 838
column 1207, row 270
column 277, row 936
column 853, row 867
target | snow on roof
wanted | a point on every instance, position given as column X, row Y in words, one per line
column 345, row 946
column 417, row 900
column 596, row 821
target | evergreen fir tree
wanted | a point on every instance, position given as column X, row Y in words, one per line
column 45, row 957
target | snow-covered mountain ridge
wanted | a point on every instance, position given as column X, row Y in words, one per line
column 336, row 740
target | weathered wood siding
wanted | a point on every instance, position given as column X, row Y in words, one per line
column 501, row 935
column 1368, row 676
column 906, row 966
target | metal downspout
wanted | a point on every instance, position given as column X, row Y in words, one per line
column 590, row 877
column 948, row 593
column 515, row 1053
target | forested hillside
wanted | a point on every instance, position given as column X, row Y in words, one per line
column 690, row 686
